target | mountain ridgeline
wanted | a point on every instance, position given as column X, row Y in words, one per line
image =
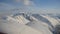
column 47, row 24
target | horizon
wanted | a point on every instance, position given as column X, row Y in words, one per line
column 34, row 6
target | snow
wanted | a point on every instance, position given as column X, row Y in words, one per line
column 20, row 19
column 22, row 23
column 52, row 20
column 16, row 28
column 39, row 25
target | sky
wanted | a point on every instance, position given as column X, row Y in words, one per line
column 36, row 6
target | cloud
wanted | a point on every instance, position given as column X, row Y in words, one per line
column 17, row 0
column 25, row 2
column 48, row 10
column 23, row 5
column 29, row 3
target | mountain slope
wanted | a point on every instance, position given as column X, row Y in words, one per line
column 22, row 23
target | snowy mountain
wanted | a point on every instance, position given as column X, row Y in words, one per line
column 23, row 23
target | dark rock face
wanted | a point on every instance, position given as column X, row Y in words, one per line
column 57, row 29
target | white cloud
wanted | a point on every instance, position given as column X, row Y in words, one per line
column 28, row 3
column 25, row 2
column 48, row 10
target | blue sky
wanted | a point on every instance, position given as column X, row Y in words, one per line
column 45, row 6
column 48, row 3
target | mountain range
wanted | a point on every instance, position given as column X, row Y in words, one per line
column 24, row 23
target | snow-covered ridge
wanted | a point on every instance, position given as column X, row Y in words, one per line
column 36, row 22
column 20, row 18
